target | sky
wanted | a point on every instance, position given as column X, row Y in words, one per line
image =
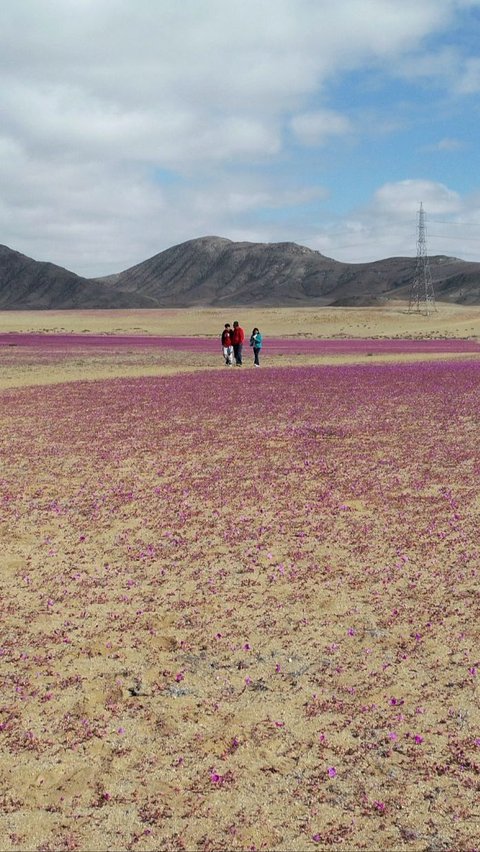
column 129, row 126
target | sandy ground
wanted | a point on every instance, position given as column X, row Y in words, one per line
column 392, row 321
column 22, row 368
column 28, row 369
column 240, row 611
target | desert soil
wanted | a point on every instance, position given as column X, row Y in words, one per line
column 25, row 368
column 240, row 608
column 392, row 321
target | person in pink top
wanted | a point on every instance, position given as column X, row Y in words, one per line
column 238, row 337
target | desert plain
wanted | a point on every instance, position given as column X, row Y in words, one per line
column 240, row 607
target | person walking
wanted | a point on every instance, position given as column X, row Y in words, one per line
column 256, row 343
column 238, row 338
column 227, row 346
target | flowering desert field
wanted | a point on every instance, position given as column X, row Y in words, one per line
column 240, row 607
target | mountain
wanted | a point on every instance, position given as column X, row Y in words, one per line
column 27, row 284
column 212, row 271
column 216, row 272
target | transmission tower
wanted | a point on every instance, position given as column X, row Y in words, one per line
column 422, row 296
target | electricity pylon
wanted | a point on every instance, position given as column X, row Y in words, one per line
column 422, row 296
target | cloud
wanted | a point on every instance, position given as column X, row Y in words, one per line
column 314, row 128
column 448, row 144
column 387, row 225
column 404, row 197
column 469, row 80
column 176, row 81
column 128, row 125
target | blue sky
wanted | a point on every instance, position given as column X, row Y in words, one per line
column 128, row 126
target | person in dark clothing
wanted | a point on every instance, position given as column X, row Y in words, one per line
column 238, row 338
column 256, row 343
column 227, row 346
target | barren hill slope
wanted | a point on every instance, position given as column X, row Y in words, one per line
column 27, row 284
column 212, row 271
column 216, row 272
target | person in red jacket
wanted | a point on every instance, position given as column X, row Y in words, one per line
column 238, row 337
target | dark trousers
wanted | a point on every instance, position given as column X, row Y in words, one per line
column 237, row 351
column 256, row 353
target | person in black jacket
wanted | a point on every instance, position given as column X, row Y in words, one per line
column 227, row 346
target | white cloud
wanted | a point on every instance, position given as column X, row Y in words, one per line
column 314, row 128
column 142, row 76
column 404, row 197
column 101, row 98
column 387, row 225
column 448, row 145
column 469, row 80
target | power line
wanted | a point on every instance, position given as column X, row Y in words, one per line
column 449, row 237
column 467, row 224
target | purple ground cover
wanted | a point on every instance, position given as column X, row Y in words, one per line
column 249, row 602
column 301, row 346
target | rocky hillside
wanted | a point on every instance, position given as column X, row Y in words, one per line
column 27, row 284
column 212, row 271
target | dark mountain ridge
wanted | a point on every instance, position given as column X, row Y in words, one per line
column 27, row 284
column 213, row 271
column 216, row 272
